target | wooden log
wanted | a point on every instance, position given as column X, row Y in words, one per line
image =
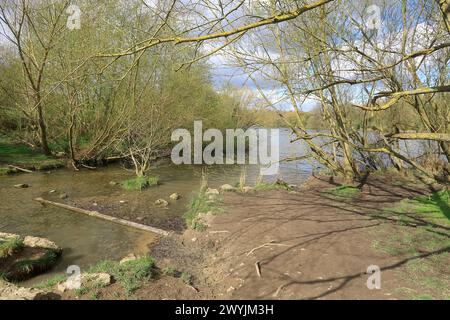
column 104, row 217
column 20, row 169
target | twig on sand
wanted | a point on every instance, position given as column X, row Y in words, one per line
column 279, row 290
column 270, row 243
column 20, row 169
column 220, row 231
column 193, row 288
column 258, row 269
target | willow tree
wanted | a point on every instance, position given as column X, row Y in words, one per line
column 34, row 28
column 356, row 70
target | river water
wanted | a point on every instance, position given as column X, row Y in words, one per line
column 86, row 240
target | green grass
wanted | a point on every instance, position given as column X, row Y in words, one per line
column 171, row 272
column 50, row 283
column 25, row 157
column 130, row 274
column 433, row 208
column 423, row 297
column 200, row 203
column 81, row 291
column 44, row 262
column 187, row 278
column 96, row 296
column 7, row 170
column 140, row 183
column 264, row 186
column 435, row 205
column 344, row 191
column 9, row 246
column 417, row 226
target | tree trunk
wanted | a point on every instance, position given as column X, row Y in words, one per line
column 445, row 9
column 42, row 127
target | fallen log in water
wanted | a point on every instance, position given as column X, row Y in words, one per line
column 104, row 217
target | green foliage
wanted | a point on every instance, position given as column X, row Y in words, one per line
column 434, row 207
column 81, row 291
column 129, row 274
column 9, row 246
column 44, row 262
column 420, row 227
column 187, row 278
column 95, row 296
column 279, row 185
column 423, row 297
column 23, row 156
column 200, row 203
column 140, row 183
column 436, row 204
column 344, row 191
column 50, row 283
column 6, row 170
column 171, row 272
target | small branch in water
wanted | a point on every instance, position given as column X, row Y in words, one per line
column 20, row 169
column 88, row 167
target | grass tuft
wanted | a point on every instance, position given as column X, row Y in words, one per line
column 129, row 274
column 264, row 186
column 140, row 183
column 42, row 263
column 344, row 191
column 50, row 283
column 187, row 278
column 171, row 272
column 10, row 246
column 200, row 203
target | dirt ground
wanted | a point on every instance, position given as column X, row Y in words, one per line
column 307, row 244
